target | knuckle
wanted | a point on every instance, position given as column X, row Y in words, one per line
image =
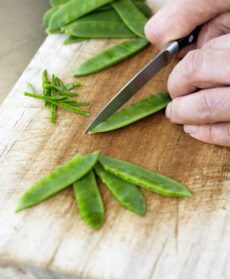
column 206, row 107
column 210, row 44
column 209, row 134
column 192, row 62
column 176, row 115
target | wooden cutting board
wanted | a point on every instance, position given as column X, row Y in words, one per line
column 177, row 238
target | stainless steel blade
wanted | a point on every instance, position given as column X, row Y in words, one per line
column 135, row 84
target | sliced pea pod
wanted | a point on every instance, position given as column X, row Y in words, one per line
column 72, row 85
column 48, row 14
column 73, row 40
column 127, row 194
column 57, row 180
column 133, row 113
column 131, row 16
column 53, row 108
column 89, row 200
column 46, row 92
column 110, row 57
column 73, row 10
column 145, row 178
column 51, row 100
column 31, row 88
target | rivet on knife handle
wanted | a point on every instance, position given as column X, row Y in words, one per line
column 189, row 39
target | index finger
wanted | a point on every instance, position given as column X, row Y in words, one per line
column 180, row 17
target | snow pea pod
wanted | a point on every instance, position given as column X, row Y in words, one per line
column 73, row 10
column 145, row 9
column 127, row 194
column 73, row 40
column 57, row 180
column 105, row 8
column 133, row 113
column 99, row 29
column 110, row 57
column 106, row 24
column 48, row 14
column 54, row 3
column 144, row 177
column 109, row 15
column 89, row 200
column 131, row 16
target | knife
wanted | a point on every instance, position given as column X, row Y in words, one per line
column 141, row 78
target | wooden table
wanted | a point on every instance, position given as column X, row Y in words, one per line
column 176, row 239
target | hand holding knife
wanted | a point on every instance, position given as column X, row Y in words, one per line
column 141, row 78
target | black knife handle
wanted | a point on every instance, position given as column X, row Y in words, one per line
column 189, row 39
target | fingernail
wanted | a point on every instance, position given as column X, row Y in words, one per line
column 190, row 129
column 168, row 111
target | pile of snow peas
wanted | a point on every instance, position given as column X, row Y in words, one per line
column 88, row 19
column 56, row 93
column 119, row 177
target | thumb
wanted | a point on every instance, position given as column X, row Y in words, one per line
column 180, row 17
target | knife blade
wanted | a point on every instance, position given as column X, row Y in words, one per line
column 142, row 77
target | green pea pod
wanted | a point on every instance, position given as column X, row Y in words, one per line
column 104, row 8
column 73, row 40
column 127, row 194
column 145, row 9
column 73, row 10
column 99, row 29
column 57, row 180
column 54, row 3
column 109, row 15
column 143, row 177
column 110, row 57
column 48, row 14
column 131, row 16
column 108, row 7
column 89, row 200
column 133, row 113
column 54, row 31
column 106, row 24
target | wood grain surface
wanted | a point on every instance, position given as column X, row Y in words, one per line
column 176, row 239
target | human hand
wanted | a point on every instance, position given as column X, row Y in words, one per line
column 205, row 72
